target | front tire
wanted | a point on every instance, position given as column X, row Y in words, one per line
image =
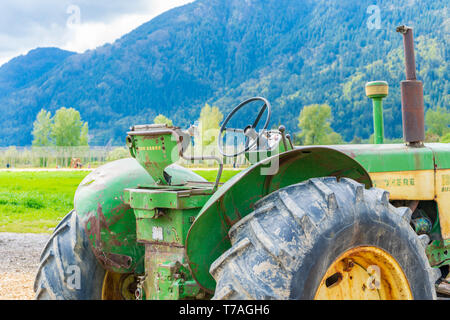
column 292, row 244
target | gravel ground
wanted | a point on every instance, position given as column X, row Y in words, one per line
column 19, row 259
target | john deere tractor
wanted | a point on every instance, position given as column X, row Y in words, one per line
column 310, row 222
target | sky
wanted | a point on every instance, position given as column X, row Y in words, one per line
column 75, row 25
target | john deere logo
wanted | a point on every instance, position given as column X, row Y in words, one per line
column 394, row 182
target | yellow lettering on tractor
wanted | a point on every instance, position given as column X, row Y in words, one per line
column 419, row 185
column 150, row 148
column 406, row 185
column 443, row 200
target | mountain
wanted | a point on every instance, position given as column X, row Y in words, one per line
column 293, row 52
column 21, row 71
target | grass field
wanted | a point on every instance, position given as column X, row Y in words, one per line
column 34, row 202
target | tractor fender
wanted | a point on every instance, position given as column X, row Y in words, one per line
column 208, row 236
column 108, row 221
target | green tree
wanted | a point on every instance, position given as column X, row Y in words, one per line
column 84, row 135
column 209, row 124
column 356, row 140
column 67, row 128
column 446, row 138
column 333, row 138
column 314, row 122
column 161, row 119
column 438, row 121
column 41, row 129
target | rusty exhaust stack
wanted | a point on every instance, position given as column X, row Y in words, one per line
column 412, row 95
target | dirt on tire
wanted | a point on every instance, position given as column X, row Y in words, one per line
column 19, row 260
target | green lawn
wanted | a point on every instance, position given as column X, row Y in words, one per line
column 211, row 175
column 36, row 201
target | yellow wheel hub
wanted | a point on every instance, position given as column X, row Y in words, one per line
column 364, row 273
column 118, row 286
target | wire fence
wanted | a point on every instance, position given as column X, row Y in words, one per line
column 95, row 156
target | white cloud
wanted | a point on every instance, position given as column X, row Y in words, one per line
column 25, row 24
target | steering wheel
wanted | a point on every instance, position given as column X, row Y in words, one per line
column 249, row 131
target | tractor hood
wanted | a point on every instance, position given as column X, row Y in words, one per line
column 398, row 157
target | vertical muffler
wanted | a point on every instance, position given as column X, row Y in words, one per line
column 412, row 95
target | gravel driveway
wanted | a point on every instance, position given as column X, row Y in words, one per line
column 19, row 259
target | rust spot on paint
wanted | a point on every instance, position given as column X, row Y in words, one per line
column 94, row 226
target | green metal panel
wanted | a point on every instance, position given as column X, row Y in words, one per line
column 168, row 278
column 377, row 90
column 171, row 212
column 389, row 157
column 110, row 223
column 441, row 153
column 154, row 153
column 397, row 157
column 163, row 218
column 378, row 123
column 149, row 199
column 208, row 236
column 438, row 253
column 174, row 226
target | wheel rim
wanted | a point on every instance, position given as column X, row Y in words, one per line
column 364, row 273
column 118, row 286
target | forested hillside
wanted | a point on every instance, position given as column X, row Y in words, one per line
column 21, row 71
column 293, row 52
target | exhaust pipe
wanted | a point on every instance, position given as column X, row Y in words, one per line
column 412, row 95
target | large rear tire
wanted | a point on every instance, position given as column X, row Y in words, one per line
column 320, row 239
column 68, row 269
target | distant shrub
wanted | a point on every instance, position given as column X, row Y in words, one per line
column 33, row 203
column 118, row 153
column 446, row 138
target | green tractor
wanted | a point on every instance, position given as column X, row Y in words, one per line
column 312, row 222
